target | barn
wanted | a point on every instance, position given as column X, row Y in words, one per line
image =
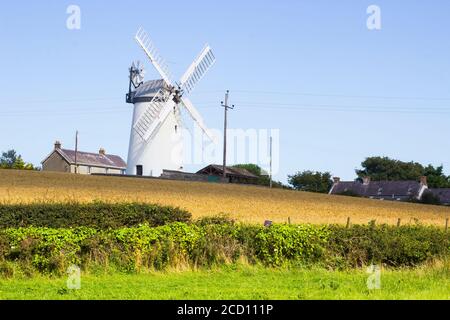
column 71, row 161
column 233, row 174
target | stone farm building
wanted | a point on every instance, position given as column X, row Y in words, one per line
column 214, row 173
column 65, row 160
column 233, row 174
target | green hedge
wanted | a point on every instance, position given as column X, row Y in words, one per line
column 98, row 215
column 48, row 250
column 393, row 246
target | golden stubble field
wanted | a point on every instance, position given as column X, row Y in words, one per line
column 244, row 203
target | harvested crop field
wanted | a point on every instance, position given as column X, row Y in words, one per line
column 244, row 203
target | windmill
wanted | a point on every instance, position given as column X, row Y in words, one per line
column 156, row 138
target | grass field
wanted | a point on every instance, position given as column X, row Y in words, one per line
column 245, row 203
column 241, row 283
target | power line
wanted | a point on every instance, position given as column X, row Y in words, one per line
column 249, row 105
column 39, row 101
column 269, row 104
column 245, row 104
column 34, row 113
column 286, row 93
column 344, row 95
column 340, row 108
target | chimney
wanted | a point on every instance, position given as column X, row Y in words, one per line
column 102, row 151
column 57, row 145
column 366, row 181
column 336, row 180
column 423, row 180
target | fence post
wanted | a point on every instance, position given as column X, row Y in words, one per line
column 399, row 222
column 348, row 222
column 446, row 225
column 289, row 220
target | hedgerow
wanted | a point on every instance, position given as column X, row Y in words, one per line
column 98, row 215
column 131, row 249
column 407, row 245
column 279, row 243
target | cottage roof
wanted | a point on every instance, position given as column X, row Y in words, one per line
column 379, row 188
column 91, row 159
column 442, row 193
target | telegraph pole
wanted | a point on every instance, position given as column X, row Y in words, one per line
column 271, row 162
column 76, row 152
column 226, row 107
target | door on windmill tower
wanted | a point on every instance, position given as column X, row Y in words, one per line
column 139, row 170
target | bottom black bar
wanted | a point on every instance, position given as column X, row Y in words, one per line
column 221, row 309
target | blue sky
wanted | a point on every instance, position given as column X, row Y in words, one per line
column 337, row 91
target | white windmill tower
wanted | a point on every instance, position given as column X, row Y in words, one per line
column 155, row 141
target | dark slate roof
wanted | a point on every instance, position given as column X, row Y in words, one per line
column 93, row 159
column 443, row 194
column 379, row 188
column 229, row 171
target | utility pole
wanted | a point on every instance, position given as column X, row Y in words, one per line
column 271, row 162
column 226, row 107
column 76, row 152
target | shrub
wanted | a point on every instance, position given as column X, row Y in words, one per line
column 430, row 198
column 392, row 246
column 130, row 249
column 97, row 215
column 46, row 249
column 218, row 219
column 280, row 243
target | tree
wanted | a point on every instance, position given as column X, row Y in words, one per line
column 19, row 164
column 8, row 159
column 12, row 160
column 436, row 177
column 250, row 167
column 263, row 177
column 384, row 168
column 430, row 198
column 313, row 181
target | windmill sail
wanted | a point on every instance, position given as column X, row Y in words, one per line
column 143, row 39
column 145, row 123
column 198, row 69
column 197, row 118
